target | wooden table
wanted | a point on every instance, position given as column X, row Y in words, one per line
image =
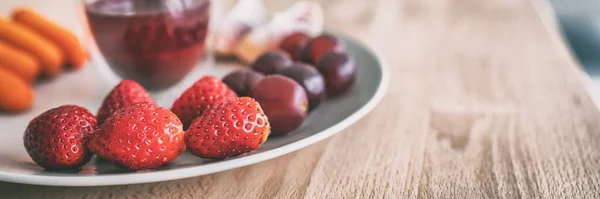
column 485, row 102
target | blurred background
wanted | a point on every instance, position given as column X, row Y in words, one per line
column 579, row 23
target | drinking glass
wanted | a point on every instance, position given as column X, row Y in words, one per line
column 154, row 42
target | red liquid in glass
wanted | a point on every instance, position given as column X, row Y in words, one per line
column 155, row 42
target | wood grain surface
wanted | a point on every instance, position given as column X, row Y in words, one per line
column 484, row 102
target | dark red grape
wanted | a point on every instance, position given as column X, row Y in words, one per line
column 283, row 101
column 315, row 47
column 242, row 81
column 339, row 72
column 310, row 79
column 293, row 43
column 271, row 62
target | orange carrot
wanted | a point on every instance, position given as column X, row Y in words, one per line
column 15, row 94
column 50, row 56
column 18, row 61
column 60, row 36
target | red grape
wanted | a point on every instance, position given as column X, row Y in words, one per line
column 319, row 45
column 283, row 101
column 293, row 43
column 242, row 81
column 271, row 62
column 339, row 72
column 310, row 79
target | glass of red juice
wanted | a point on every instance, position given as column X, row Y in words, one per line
column 154, row 42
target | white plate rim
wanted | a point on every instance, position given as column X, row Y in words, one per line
column 182, row 173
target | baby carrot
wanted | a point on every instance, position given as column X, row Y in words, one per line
column 15, row 94
column 60, row 36
column 19, row 62
column 50, row 56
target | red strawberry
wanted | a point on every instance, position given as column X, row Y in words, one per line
column 140, row 136
column 231, row 128
column 126, row 93
column 205, row 93
column 57, row 138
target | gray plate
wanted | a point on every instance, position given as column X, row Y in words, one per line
column 88, row 87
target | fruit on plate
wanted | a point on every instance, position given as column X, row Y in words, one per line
column 302, row 16
column 310, row 79
column 15, row 94
column 208, row 91
column 242, row 81
column 140, row 136
column 315, row 47
column 126, row 93
column 229, row 129
column 293, row 43
column 339, row 72
column 239, row 21
column 271, row 62
column 284, row 102
column 57, row 138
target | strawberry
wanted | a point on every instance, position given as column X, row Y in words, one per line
column 229, row 129
column 126, row 93
column 203, row 94
column 140, row 136
column 57, row 138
